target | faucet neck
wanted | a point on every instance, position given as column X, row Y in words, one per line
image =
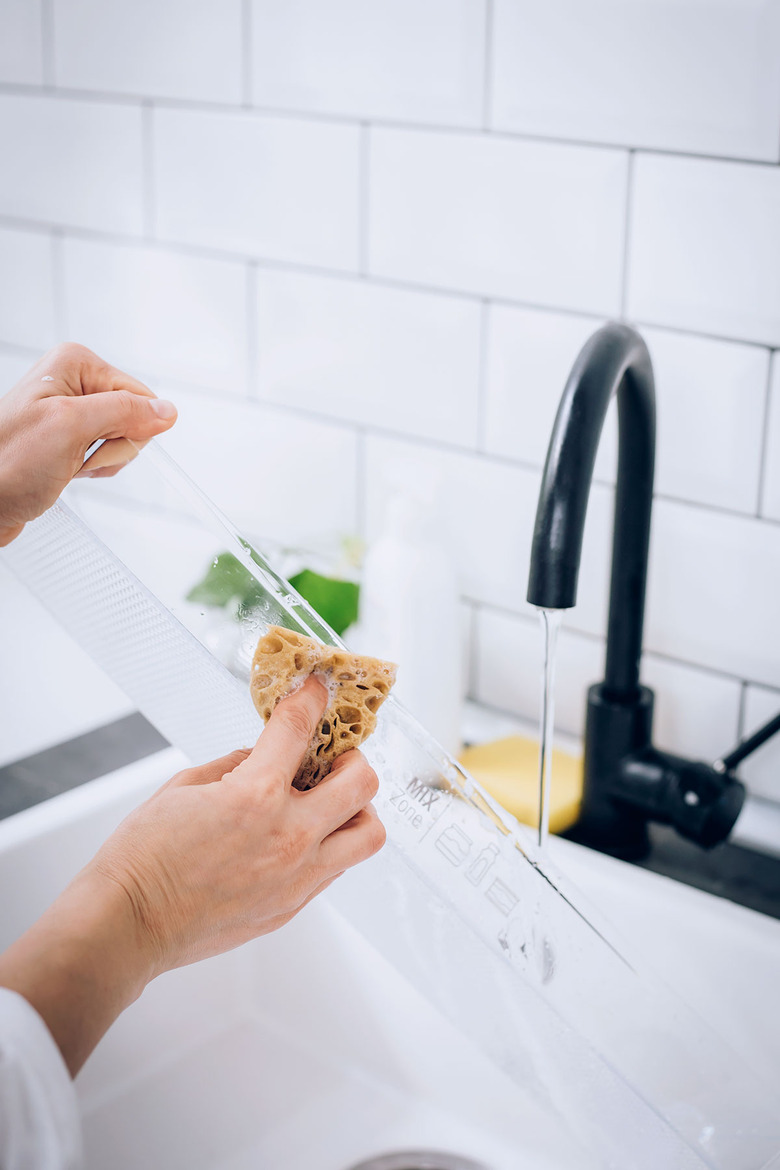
column 614, row 361
column 626, row 780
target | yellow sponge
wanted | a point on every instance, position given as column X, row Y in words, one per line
column 509, row 770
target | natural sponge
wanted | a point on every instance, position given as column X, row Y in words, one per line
column 358, row 687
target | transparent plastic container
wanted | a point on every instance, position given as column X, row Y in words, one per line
column 460, row 900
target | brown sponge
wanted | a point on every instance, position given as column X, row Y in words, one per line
column 358, row 687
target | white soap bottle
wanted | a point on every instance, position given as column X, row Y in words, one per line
column 410, row 613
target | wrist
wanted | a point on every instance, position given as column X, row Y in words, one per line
column 81, row 964
column 101, row 925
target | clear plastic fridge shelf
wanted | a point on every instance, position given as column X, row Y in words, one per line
column 459, row 900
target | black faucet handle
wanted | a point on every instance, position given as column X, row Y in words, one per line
column 747, row 746
column 701, row 802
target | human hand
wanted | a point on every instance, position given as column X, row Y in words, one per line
column 69, row 400
column 230, row 850
column 221, row 854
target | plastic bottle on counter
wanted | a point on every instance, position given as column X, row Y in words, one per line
column 410, row 613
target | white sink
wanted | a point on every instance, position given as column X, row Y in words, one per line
column 306, row 1050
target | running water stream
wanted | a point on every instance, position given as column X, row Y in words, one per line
column 551, row 624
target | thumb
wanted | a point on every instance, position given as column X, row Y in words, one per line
column 116, row 414
column 126, row 420
column 287, row 734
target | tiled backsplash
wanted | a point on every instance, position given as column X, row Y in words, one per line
column 355, row 238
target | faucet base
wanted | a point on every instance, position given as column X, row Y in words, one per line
column 627, row 783
column 613, row 731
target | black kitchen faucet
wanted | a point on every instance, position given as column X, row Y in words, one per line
column 627, row 781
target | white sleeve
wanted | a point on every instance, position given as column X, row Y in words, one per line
column 39, row 1118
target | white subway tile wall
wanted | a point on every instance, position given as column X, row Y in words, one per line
column 72, row 162
column 696, row 712
column 762, row 770
column 487, row 509
column 691, row 77
column 27, row 311
column 400, row 60
column 365, row 241
column 279, row 188
column 510, row 659
column 704, row 252
column 529, row 356
column 711, row 401
column 21, row 42
column 524, row 221
column 14, row 364
column 771, row 493
column 159, row 312
column 713, row 591
column 384, row 357
column 184, row 49
column 476, row 498
column 288, row 478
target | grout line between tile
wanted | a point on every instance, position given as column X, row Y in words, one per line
column 364, row 196
column 58, row 286
column 252, row 333
column 47, row 44
column 439, row 446
column 75, row 94
column 774, row 521
column 448, row 448
column 409, row 437
column 528, row 618
column 32, row 352
column 505, row 712
column 177, row 385
column 482, row 372
column 741, row 714
column 529, row 720
column 648, row 652
column 369, row 429
column 627, row 234
column 361, row 483
column 147, row 169
column 246, row 54
column 487, row 65
column 703, row 505
column 205, row 252
column 763, row 458
column 686, row 331
column 472, row 666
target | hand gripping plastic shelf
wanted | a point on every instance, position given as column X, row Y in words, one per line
column 459, row 900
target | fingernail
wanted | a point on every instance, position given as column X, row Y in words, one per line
column 163, row 408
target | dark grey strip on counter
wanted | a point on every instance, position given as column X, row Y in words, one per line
column 66, row 765
column 742, row 875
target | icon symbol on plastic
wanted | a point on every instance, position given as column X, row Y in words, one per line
column 481, row 864
column 454, row 844
column 501, row 896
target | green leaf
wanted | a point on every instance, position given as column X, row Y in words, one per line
column 226, row 580
column 335, row 601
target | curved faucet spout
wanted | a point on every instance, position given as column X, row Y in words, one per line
column 614, row 361
column 626, row 781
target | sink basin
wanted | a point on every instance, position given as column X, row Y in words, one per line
column 306, row 1050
